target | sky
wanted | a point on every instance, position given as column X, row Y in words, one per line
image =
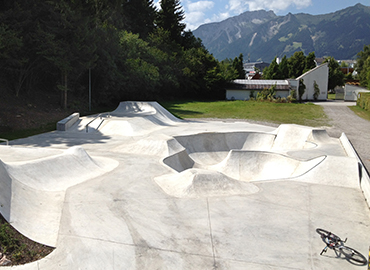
column 206, row 11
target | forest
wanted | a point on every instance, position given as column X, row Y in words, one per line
column 107, row 51
column 110, row 50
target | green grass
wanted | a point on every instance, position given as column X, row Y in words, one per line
column 279, row 113
column 17, row 134
column 361, row 112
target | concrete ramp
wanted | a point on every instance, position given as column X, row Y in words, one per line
column 5, row 191
column 159, row 145
column 153, row 110
column 130, row 118
column 32, row 191
column 291, row 137
column 179, row 161
column 255, row 166
column 211, row 147
column 61, row 171
column 197, row 183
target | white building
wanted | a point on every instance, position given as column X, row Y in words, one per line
column 243, row 89
column 351, row 92
column 320, row 75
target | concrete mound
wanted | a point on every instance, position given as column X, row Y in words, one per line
column 130, row 118
column 291, row 137
column 255, row 166
column 32, row 191
column 197, row 183
column 158, row 145
column 61, row 171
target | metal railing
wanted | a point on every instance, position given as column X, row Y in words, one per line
column 107, row 115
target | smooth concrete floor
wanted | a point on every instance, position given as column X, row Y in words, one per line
column 122, row 219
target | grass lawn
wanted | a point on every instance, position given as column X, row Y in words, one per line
column 279, row 113
column 361, row 112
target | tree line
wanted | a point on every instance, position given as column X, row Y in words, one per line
column 130, row 49
column 298, row 64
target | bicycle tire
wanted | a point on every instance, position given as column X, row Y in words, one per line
column 352, row 254
column 325, row 234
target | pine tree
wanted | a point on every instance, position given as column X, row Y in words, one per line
column 170, row 18
column 239, row 67
column 139, row 17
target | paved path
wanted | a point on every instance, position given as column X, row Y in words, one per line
column 356, row 128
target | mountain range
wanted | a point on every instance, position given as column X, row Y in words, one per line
column 262, row 35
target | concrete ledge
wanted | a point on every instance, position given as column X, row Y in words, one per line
column 66, row 123
column 364, row 177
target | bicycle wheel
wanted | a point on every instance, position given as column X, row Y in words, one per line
column 328, row 236
column 352, row 254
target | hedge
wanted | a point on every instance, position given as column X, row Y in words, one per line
column 363, row 101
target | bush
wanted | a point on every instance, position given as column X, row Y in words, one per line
column 363, row 101
column 267, row 94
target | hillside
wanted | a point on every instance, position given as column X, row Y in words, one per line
column 264, row 35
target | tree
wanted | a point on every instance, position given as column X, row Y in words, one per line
column 316, row 90
column 272, row 71
column 301, row 89
column 139, row 17
column 336, row 76
column 18, row 56
column 65, row 43
column 363, row 66
column 284, row 68
column 310, row 62
column 297, row 63
column 170, row 18
column 239, row 67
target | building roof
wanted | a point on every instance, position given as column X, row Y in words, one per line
column 261, row 84
column 304, row 74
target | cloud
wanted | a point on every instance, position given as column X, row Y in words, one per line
column 238, row 6
column 200, row 6
column 195, row 12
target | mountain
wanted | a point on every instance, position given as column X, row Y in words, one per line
column 262, row 35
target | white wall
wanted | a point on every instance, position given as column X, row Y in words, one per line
column 351, row 92
column 319, row 74
column 245, row 94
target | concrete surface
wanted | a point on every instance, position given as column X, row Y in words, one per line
column 144, row 190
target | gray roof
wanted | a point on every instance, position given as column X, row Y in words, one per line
column 261, row 84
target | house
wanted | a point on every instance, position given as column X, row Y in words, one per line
column 245, row 89
column 351, row 92
column 251, row 67
column 318, row 75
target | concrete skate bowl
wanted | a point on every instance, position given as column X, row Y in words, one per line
column 211, row 161
column 32, row 192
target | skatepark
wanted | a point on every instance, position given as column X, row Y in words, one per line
column 138, row 188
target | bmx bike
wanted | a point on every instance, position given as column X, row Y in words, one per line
column 334, row 242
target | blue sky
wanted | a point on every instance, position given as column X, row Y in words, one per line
column 206, row 11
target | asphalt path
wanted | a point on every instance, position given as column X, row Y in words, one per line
column 357, row 129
